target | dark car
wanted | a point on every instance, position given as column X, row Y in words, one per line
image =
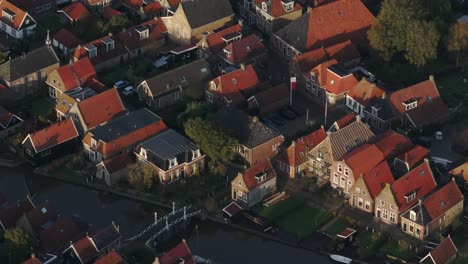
column 288, row 114
column 297, row 109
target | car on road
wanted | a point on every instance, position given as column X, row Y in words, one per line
column 121, row 84
column 128, row 90
column 288, row 114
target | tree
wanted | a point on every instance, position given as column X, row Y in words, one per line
column 140, row 176
column 117, row 23
column 16, row 238
column 421, row 42
column 216, row 143
column 457, row 41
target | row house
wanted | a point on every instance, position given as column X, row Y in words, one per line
column 252, row 185
column 93, row 245
column 108, row 13
column 396, row 198
column 413, row 107
column 213, row 42
column 233, row 88
column 409, row 159
column 247, row 10
column 256, row 140
column 92, row 112
column 245, row 51
column 36, row 7
column 273, row 15
column 171, row 156
column 9, row 123
column 170, row 87
column 460, row 175
column 324, row 26
column 74, row 12
column 114, row 170
column 112, row 50
column 335, row 146
column 301, row 66
column 271, row 100
column 192, row 18
column 64, row 41
column 363, row 95
column 15, row 21
column 143, row 8
column 342, row 122
column 24, row 75
column 433, row 213
column 51, row 142
column 34, row 221
column 293, row 160
column 121, row 134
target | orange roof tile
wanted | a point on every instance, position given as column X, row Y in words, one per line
column 134, row 4
column 59, row 235
column 414, row 156
column 461, row 171
column 103, row 54
column 345, row 120
column 85, row 249
column 153, row 9
column 423, row 92
column 178, row 253
column 296, row 154
column 337, row 84
column 76, row 74
column 32, row 260
column 66, row 38
column 444, row 252
column 277, row 8
column 392, row 144
column 75, row 11
column 96, row 85
column 363, row 159
column 101, row 108
column 130, row 38
column 442, row 200
column 320, row 71
column 215, row 39
column 249, row 174
column 173, row 3
column 366, row 92
column 117, row 163
column 243, row 49
column 19, row 17
column 232, row 83
column 377, row 177
column 53, row 135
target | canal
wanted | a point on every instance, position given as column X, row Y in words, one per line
column 218, row 242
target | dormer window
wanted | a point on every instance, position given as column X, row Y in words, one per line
column 8, row 14
column 143, row 32
column 213, row 86
column 227, row 53
column 234, row 36
column 110, row 44
column 375, row 110
column 261, row 177
column 195, row 154
column 412, row 215
column 265, row 6
column 172, row 162
column 143, row 153
column 93, row 143
column 288, row 5
column 410, row 104
column 410, row 196
column 92, row 50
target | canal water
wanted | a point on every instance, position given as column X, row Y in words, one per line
column 214, row 241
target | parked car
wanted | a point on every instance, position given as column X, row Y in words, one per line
column 438, row 135
column 288, row 114
column 297, row 109
column 121, row 84
column 128, row 90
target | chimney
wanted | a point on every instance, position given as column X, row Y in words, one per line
column 33, row 255
column 293, row 143
column 255, row 119
column 241, row 23
column 110, row 34
column 358, row 118
column 242, row 65
column 431, row 77
column 364, row 78
column 384, row 95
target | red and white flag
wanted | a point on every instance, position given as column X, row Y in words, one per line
column 293, row 83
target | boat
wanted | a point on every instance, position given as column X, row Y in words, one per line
column 341, row 259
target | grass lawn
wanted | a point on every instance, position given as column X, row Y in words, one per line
column 276, row 211
column 338, row 226
column 452, row 87
column 41, row 107
column 369, row 243
column 462, row 259
column 135, row 71
column 400, row 251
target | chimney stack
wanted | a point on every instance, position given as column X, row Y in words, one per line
column 431, row 77
column 242, row 65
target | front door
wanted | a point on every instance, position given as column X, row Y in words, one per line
column 378, row 213
column 353, row 201
column 234, row 195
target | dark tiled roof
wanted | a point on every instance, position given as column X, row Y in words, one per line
column 348, row 138
column 248, row 131
column 204, row 12
column 31, row 62
column 59, row 235
column 11, row 214
column 444, row 252
column 295, row 33
column 106, row 236
column 168, row 144
column 179, row 254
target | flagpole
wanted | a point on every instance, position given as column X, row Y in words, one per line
column 290, row 92
column 326, row 111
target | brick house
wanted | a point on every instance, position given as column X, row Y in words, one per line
column 115, row 169
column 24, row 75
column 35, row 7
column 363, row 95
column 273, row 15
column 252, row 185
column 143, row 8
column 181, row 252
column 70, row 77
column 335, row 146
column 293, row 160
column 368, row 187
column 52, row 142
column 256, row 140
column 270, row 100
column 213, row 42
column 94, row 111
column 233, row 88
column 396, row 198
column 170, row 87
column 192, row 18
column 406, row 161
column 9, row 122
column 413, row 107
column 245, row 51
column 460, row 175
column 433, row 213
column 323, row 26
column 15, row 21
column 171, row 155
column 121, row 134
column 74, row 12
column 445, row 253
column 58, row 235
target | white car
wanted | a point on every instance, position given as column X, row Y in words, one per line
column 438, row 135
column 128, row 90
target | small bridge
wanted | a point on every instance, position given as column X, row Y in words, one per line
column 164, row 225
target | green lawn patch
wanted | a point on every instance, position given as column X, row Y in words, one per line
column 452, row 87
column 41, row 107
column 274, row 212
column 338, row 226
column 369, row 243
column 401, row 251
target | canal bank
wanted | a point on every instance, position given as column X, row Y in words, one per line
column 215, row 239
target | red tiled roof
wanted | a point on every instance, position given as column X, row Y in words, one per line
column 85, row 249
column 60, row 234
column 343, row 52
column 444, row 252
column 414, row 156
column 234, row 82
column 336, row 84
column 40, row 215
column 232, row 209
column 419, row 180
column 377, row 177
column 174, row 256
column 153, row 9
column 101, row 108
column 103, row 54
column 76, row 74
column 110, row 258
column 10, row 215
column 296, row 154
column 66, row 38
column 337, row 22
column 109, row 12
column 272, row 96
column 19, row 17
column 277, row 8
column 428, row 113
column 75, row 11
column 215, row 40
column 32, row 260
column 345, row 120
column 130, row 38
column 117, row 163
column 392, row 144
column 442, row 200
column 5, row 118
column 53, row 135
column 366, row 92
column 243, row 49
column 134, row 4
column 320, row 71
column 249, row 174
column 363, row 159
column 346, row 233
column 173, row 3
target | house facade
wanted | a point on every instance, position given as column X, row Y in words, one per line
column 362, row 95
column 171, row 155
column 15, row 21
column 252, row 185
column 273, row 15
column 9, row 122
column 113, row 170
column 35, row 8
column 445, row 253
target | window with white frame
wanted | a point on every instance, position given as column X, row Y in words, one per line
column 340, row 168
column 172, row 162
column 346, row 171
column 335, row 178
column 412, row 215
column 360, row 202
column 358, row 190
column 385, row 214
column 367, row 206
column 343, row 182
column 195, row 154
column 392, row 217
